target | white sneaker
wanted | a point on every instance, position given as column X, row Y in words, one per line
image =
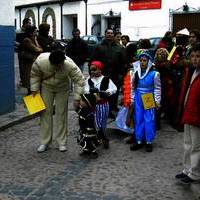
column 62, row 148
column 42, row 148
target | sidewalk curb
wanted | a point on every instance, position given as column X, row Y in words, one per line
column 27, row 118
column 18, row 121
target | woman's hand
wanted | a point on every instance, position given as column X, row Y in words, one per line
column 76, row 104
column 34, row 93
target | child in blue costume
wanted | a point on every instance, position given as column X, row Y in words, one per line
column 146, row 80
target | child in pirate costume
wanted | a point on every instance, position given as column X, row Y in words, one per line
column 88, row 134
column 146, row 98
column 102, row 87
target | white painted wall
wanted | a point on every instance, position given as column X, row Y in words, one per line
column 56, row 9
column 7, row 12
column 136, row 24
column 24, row 2
column 141, row 23
column 74, row 8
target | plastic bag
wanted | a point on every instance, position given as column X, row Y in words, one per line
column 121, row 120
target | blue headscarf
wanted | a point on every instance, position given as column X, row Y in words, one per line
column 145, row 53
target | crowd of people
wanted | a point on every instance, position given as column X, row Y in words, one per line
column 161, row 84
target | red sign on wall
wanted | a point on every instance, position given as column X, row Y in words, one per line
column 144, row 4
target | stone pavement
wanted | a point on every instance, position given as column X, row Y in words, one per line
column 118, row 173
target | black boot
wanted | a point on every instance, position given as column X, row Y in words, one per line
column 136, row 146
column 149, row 147
column 106, row 143
column 104, row 139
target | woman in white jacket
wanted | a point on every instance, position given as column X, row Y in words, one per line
column 50, row 75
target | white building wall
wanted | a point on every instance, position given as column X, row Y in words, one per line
column 24, row 2
column 137, row 24
column 56, row 8
column 75, row 8
column 7, row 13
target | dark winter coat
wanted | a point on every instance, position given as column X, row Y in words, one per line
column 77, row 50
column 113, row 57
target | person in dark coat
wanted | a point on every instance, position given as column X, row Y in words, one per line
column 77, row 49
column 44, row 39
column 30, row 51
column 20, row 36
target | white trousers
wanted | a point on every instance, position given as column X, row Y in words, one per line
column 61, row 102
column 191, row 159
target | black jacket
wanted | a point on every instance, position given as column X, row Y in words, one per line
column 113, row 57
column 77, row 50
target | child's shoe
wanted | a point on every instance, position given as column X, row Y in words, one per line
column 93, row 155
column 180, row 176
column 106, row 143
column 136, row 146
column 149, row 147
column 187, row 180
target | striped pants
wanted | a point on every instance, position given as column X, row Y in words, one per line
column 101, row 116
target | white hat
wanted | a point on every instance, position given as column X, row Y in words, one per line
column 183, row 32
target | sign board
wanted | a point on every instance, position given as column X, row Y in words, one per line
column 144, row 4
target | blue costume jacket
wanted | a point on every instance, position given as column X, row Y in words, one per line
column 149, row 82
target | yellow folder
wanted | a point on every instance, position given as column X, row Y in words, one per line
column 171, row 53
column 148, row 101
column 34, row 104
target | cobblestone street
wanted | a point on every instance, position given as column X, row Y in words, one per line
column 118, row 173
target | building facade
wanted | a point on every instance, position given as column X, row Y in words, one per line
column 7, row 86
column 94, row 16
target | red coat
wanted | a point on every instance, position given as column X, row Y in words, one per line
column 192, row 107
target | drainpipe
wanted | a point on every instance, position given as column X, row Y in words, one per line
column 20, row 18
column 61, row 20
column 38, row 7
column 85, row 16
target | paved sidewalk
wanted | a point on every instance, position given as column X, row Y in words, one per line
column 19, row 115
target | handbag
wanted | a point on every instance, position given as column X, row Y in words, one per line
column 124, row 119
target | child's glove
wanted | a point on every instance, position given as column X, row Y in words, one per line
column 93, row 90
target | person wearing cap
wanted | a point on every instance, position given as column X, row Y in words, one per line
column 146, row 89
column 88, row 134
column 103, row 87
column 50, row 75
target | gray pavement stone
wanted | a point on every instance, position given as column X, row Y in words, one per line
column 118, row 173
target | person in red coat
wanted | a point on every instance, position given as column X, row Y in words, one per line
column 191, row 121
